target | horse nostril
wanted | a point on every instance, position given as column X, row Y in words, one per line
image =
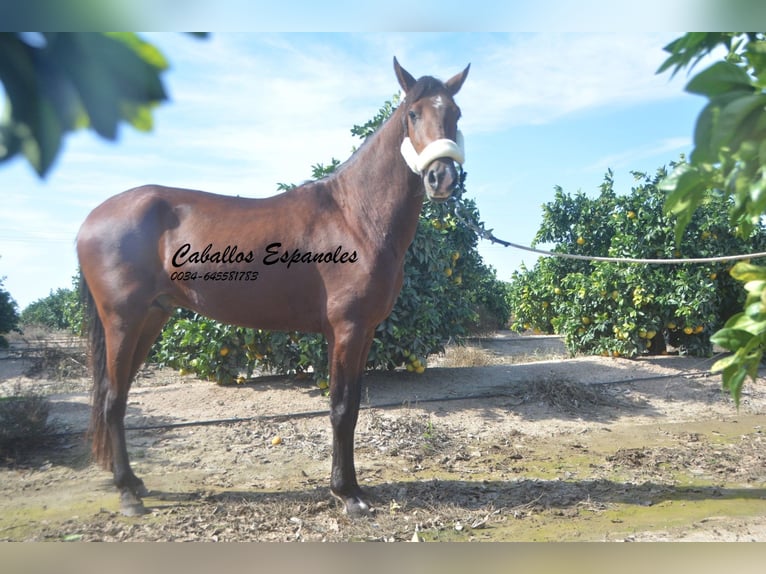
column 433, row 179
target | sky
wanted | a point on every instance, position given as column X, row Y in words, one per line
column 250, row 110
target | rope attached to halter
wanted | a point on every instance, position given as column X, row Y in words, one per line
column 436, row 149
column 487, row 234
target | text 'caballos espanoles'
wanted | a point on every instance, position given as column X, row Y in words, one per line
column 274, row 254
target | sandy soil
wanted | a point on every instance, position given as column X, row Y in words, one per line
column 549, row 448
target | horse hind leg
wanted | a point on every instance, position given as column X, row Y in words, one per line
column 126, row 350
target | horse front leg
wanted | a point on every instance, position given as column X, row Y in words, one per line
column 348, row 356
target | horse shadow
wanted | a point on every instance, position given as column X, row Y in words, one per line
column 535, row 391
column 595, row 391
column 525, row 494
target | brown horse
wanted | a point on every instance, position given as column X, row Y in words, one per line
column 326, row 257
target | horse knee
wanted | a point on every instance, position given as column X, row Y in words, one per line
column 343, row 417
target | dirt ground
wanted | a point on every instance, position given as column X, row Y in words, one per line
column 505, row 439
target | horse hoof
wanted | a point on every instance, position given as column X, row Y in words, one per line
column 131, row 504
column 353, row 505
column 133, row 509
column 357, row 508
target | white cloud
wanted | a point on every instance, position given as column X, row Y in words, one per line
column 269, row 106
column 629, row 157
column 538, row 78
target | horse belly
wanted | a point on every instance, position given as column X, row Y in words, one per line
column 273, row 301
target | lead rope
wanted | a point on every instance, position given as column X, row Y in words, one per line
column 489, row 236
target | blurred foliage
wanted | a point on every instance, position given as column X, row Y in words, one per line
column 728, row 159
column 60, row 82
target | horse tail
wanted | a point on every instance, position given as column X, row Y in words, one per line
column 98, row 432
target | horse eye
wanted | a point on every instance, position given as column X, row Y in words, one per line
column 413, row 115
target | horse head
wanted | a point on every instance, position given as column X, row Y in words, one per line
column 433, row 143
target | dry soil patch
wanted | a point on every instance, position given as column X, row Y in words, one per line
column 588, row 448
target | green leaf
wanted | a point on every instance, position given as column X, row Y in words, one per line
column 703, row 130
column 111, row 79
column 686, row 188
column 723, row 364
column 747, row 272
column 732, row 380
column 146, row 51
column 138, row 116
column 690, row 46
column 758, row 194
column 755, row 286
column 731, row 339
column 756, row 311
column 718, row 79
column 10, row 143
column 732, row 117
column 679, row 184
column 743, row 322
column 42, row 145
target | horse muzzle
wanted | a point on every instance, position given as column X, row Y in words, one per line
column 436, row 165
column 440, row 180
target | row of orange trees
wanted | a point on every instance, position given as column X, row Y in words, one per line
column 625, row 309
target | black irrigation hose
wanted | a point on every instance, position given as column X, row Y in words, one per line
column 392, row 404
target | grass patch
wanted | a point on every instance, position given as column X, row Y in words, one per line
column 457, row 356
column 569, row 396
column 501, row 352
column 23, row 422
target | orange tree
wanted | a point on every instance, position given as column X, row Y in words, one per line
column 630, row 309
column 447, row 290
column 9, row 316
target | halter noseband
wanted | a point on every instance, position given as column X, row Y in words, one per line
column 436, row 149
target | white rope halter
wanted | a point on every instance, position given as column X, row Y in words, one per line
column 436, row 149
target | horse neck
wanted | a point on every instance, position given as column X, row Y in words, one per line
column 381, row 196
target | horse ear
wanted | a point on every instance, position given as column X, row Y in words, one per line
column 406, row 80
column 454, row 84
